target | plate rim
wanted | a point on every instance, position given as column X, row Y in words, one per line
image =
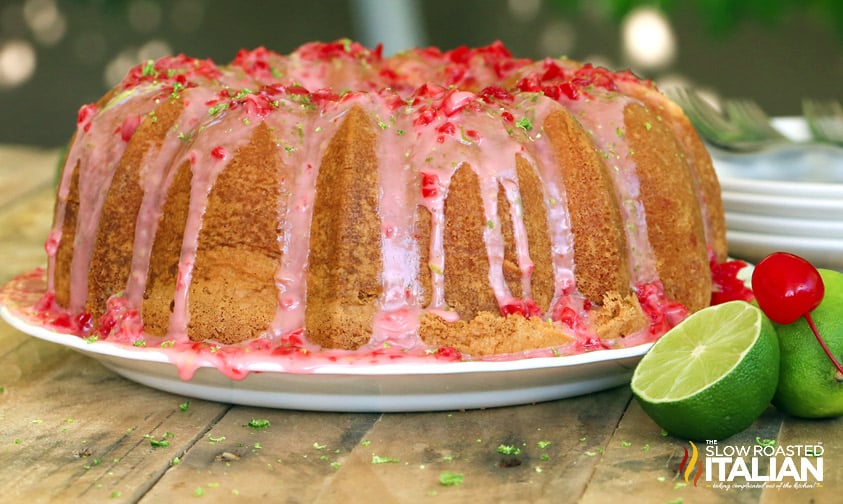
column 775, row 239
column 801, row 202
column 773, row 225
column 830, row 190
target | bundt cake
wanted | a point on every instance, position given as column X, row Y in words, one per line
column 334, row 198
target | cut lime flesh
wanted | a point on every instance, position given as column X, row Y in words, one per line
column 697, row 353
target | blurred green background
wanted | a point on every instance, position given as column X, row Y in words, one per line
column 56, row 55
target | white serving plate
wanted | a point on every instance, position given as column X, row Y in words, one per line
column 785, row 226
column 783, row 206
column 785, row 188
column 418, row 386
column 822, row 252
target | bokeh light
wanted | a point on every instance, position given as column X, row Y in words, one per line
column 47, row 23
column 648, row 40
column 17, row 63
column 524, row 10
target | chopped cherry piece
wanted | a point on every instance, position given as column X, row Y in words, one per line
column 429, row 185
column 448, row 353
column 524, row 307
column 727, row 285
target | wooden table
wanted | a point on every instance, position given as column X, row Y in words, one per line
column 72, row 430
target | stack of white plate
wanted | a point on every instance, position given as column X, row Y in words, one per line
column 785, row 199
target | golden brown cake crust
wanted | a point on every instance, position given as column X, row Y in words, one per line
column 674, row 221
column 536, row 221
column 239, row 246
column 345, row 264
column 64, row 254
column 489, row 334
column 111, row 263
column 697, row 160
column 466, row 270
column 600, row 245
column 166, row 249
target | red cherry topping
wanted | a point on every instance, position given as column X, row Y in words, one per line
column 524, row 307
column 129, row 126
column 86, row 113
column 218, row 152
column 727, row 285
column 788, row 287
column 448, row 354
column 429, row 185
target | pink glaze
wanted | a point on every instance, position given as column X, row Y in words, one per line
column 96, row 152
column 432, row 112
column 155, row 179
column 603, row 118
column 650, row 94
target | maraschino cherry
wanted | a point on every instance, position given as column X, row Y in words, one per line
column 788, row 287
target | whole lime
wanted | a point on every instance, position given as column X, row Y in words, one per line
column 809, row 385
column 712, row 375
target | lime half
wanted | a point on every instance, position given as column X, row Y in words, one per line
column 712, row 375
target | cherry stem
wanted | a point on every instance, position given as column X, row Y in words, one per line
column 822, row 344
